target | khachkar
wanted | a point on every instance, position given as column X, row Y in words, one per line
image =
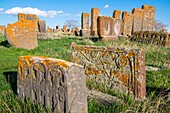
column 109, row 28
column 85, row 31
column 151, row 37
column 138, row 19
column 148, row 18
column 127, row 23
column 52, row 82
column 42, row 26
column 22, row 34
column 95, row 13
column 116, row 68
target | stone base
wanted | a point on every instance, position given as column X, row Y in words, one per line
column 85, row 33
column 108, row 38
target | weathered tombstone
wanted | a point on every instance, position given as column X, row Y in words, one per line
column 149, row 17
column 116, row 68
column 2, row 29
column 138, row 19
column 75, row 31
column 22, row 34
column 64, row 28
column 108, row 28
column 127, row 23
column 52, row 82
column 42, row 26
column 57, row 27
column 95, row 13
column 85, row 25
column 31, row 17
column 116, row 14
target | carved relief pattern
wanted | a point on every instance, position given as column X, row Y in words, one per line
column 113, row 67
column 43, row 84
column 155, row 38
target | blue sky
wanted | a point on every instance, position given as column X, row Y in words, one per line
column 56, row 12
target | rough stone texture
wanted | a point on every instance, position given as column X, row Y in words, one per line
column 138, row 19
column 116, row 14
column 152, row 37
column 149, row 18
column 85, row 31
column 127, row 23
column 75, row 31
column 42, row 26
column 116, row 68
column 52, row 82
column 22, row 34
column 95, row 13
column 108, row 28
column 49, row 29
column 64, row 28
column 85, row 20
column 31, row 17
column 2, row 29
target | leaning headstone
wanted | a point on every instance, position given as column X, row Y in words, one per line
column 116, row 68
column 22, row 34
column 149, row 18
column 85, row 31
column 95, row 13
column 138, row 19
column 55, row 83
column 127, row 23
column 42, row 26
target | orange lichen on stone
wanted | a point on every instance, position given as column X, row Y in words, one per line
column 2, row 29
column 22, row 34
column 65, row 28
column 149, row 17
column 95, row 13
column 116, row 14
column 127, row 23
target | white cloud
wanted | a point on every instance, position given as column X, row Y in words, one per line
column 1, row 9
column 106, row 6
column 78, row 14
column 30, row 10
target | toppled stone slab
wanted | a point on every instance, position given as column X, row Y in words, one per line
column 103, row 98
column 52, row 82
column 116, row 68
column 22, row 34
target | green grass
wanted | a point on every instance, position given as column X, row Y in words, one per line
column 157, row 98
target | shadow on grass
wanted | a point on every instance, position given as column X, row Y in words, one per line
column 11, row 77
column 158, row 91
column 5, row 44
column 95, row 39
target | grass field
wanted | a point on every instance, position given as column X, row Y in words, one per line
column 158, row 82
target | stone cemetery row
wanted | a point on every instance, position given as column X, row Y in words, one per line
column 110, row 27
column 62, row 85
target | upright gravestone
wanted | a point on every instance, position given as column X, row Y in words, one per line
column 95, row 13
column 42, row 26
column 22, row 34
column 64, row 28
column 138, row 19
column 127, row 23
column 85, row 25
column 56, row 83
column 2, row 29
column 149, row 18
column 116, row 14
